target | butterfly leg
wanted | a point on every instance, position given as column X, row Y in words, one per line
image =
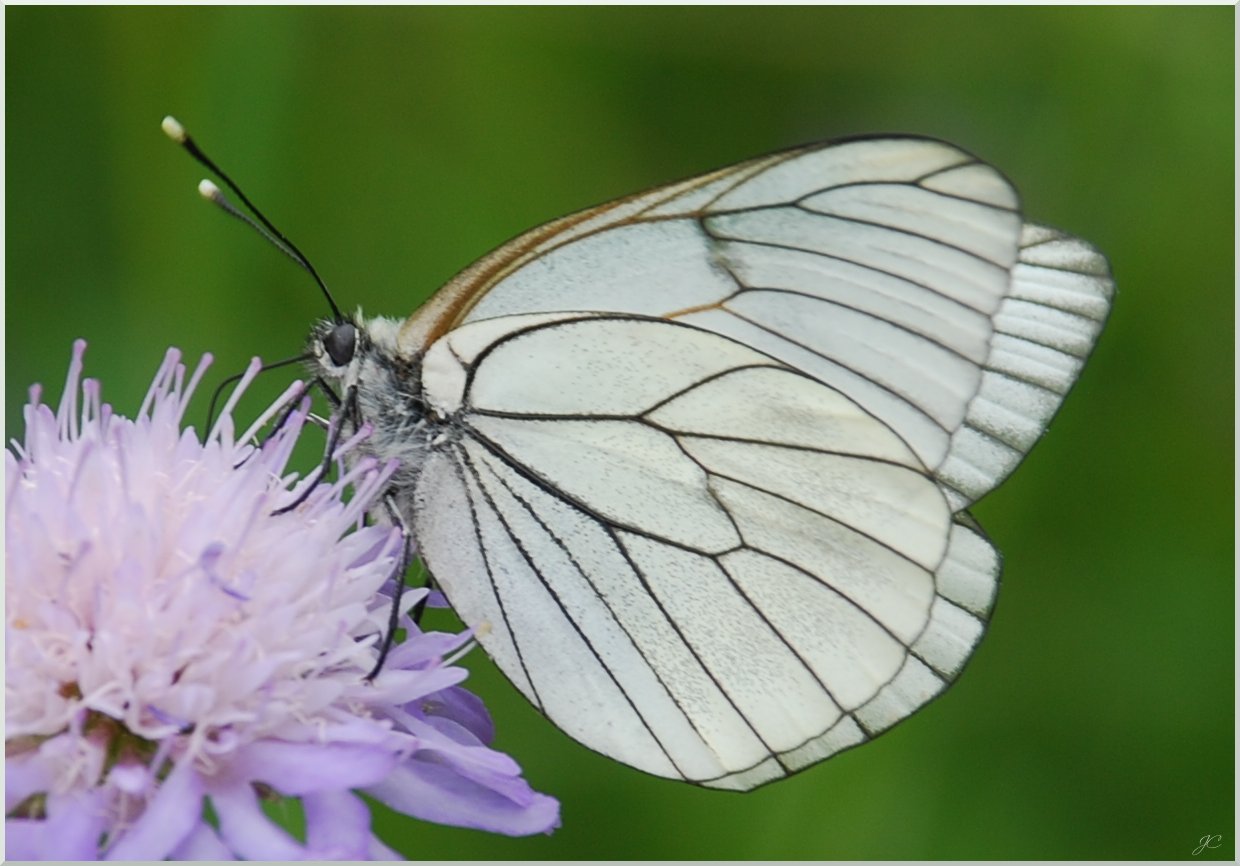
column 319, row 383
column 231, row 380
column 335, row 432
column 398, row 580
column 293, row 405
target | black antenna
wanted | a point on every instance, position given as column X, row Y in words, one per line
column 231, row 380
column 174, row 130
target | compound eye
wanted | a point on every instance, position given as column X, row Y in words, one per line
column 341, row 343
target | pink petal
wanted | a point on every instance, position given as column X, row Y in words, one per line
column 337, row 826
column 170, row 816
column 22, row 777
column 23, row 838
column 294, row 769
column 247, row 831
column 402, row 686
column 203, row 843
column 434, row 792
column 379, row 851
column 463, row 707
column 71, row 830
column 428, row 647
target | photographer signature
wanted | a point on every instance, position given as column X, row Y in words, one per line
column 1208, row 843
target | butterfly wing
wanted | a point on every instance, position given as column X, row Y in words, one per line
column 715, row 530
column 897, row 270
column 692, row 557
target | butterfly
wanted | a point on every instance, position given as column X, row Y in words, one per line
column 698, row 461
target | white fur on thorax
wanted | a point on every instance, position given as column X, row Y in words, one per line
column 386, row 401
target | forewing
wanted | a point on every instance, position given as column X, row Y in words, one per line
column 693, row 558
column 895, row 270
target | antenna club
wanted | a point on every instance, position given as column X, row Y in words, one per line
column 208, row 190
column 173, row 129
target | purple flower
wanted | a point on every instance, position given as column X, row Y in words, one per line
column 178, row 652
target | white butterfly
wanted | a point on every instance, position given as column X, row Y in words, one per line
column 699, row 458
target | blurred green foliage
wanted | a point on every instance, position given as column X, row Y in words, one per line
column 397, row 145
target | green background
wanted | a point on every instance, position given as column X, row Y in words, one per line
column 395, row 146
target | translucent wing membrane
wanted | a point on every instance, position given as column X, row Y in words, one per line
column 711, row 445
column 896, row 270
column 1043, row 332
column 711, row 566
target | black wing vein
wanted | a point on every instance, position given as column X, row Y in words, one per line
column 568, row 617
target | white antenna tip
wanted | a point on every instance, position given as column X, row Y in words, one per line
column 208, row 190
column 173, row 129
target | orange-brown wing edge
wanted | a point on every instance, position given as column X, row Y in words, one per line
column 449, row 306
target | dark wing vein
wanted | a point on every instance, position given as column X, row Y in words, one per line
column 915, row 184
column 837, row 362
column 894, row 229
column 459, row 467
column 585, row 639
column 723, row 437
column 610, row 529
column 548, row 486
column 714, row 234
column 867, row 313
column 821, row 514
column 741, row 592
column 1016, row 377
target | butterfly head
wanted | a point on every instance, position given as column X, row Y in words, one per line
column 340, row 344
column 343, row 351
column 359, row 358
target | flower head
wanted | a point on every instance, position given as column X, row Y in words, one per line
column 175, row 641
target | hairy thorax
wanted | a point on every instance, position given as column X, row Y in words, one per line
column 380, row 387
